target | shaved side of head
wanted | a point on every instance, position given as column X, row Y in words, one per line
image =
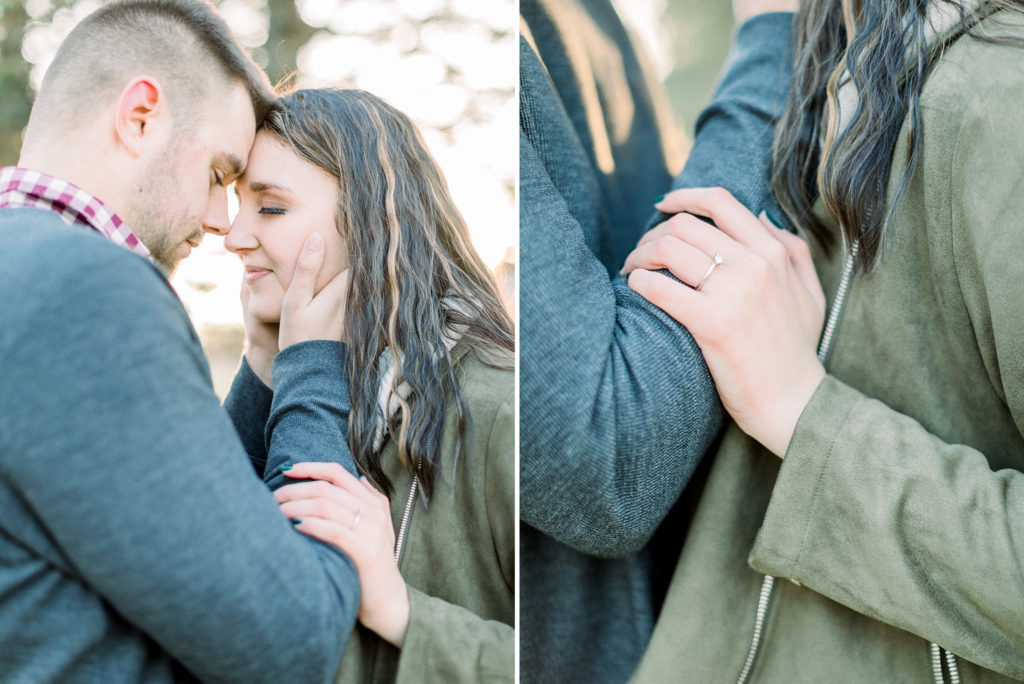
column 184, row 44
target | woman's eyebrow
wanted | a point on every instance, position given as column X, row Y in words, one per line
column 262, row 186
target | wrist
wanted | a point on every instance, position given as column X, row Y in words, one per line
column 777, row 432
column 390, row 621
column 261, row 362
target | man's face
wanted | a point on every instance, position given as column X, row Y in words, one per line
column 184, row 191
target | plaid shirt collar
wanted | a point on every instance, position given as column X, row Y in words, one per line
column 21, row 188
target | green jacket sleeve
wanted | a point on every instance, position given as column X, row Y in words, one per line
column 875, row 512
column 446, row 642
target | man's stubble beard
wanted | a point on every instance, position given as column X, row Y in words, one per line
column 160, row 223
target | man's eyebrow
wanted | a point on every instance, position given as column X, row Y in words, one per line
column 233, row 163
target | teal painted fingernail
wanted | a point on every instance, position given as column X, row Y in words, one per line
column 658, row 198
column 286, row 466
column 775, row 222
column 294, row 521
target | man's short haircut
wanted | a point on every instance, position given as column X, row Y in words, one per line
column 185, row 44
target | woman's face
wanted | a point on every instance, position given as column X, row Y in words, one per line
column 283, row 198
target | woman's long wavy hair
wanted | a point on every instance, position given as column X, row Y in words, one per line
column 882, row 45
column 408, row 248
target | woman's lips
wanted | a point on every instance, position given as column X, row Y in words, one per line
column 252, row 274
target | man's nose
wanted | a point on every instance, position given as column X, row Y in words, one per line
column 216, row 219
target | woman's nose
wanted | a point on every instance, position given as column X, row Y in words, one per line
column 239, row 237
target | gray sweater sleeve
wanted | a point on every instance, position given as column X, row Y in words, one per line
column 306, row 419
column 126, row 461
column 617, row 406
column 309, row 414
column 248, row 405
column 732, row 147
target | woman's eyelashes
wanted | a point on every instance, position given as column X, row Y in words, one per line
column 272, row 211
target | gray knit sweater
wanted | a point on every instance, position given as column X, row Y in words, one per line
column 136, row 542
column 617, row 406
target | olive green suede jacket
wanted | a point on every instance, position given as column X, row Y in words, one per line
column 458, row 555
column 898, row 511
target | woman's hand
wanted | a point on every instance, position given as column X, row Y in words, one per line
column 339, row 509
column 260, row 341
column 305, row 313
column 757, row 316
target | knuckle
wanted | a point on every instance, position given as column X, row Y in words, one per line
column 718, row 194
column 776, row 252
column 678, row 222
column 713, row 329
column 661, row 249
column 802, row 249
column 657, row 290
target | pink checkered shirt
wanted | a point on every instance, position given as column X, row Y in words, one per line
column 20, row 188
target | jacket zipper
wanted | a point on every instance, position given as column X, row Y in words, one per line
column 937, row 653
column 768, row 586
column 408, row 512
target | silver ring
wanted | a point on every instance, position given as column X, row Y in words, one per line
column 715, row 262
column 359, row 516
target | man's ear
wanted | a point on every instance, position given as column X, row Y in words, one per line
column 140, row 105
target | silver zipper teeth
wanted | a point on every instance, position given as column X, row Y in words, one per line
column 823, row 348
column 954, row 672
column 408, row 511
column 937, row 653
column 937, row 664
column 837, row 306
column 762, row 611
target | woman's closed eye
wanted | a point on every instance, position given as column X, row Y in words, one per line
column 271, row 211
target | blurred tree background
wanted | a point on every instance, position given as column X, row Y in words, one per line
column 449, row 64
column 687, row 41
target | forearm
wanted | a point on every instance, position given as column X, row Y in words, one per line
column 309, row 415
column 248, row 406
column 869, row 506
column 156, row 508
column 615, row 395
column 734, row 133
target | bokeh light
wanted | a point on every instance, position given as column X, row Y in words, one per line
column 451, row 65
